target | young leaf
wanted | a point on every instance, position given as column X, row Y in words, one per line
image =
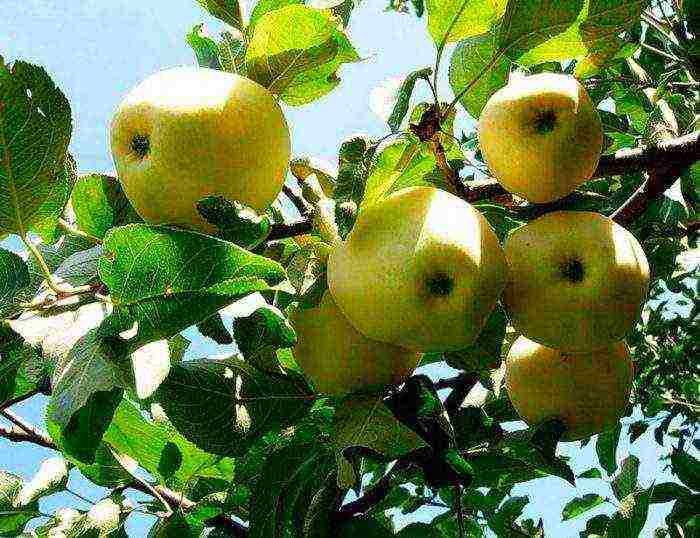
column 629, row 521
column 295, row 52
column 506, row 515
column 228, row 11
column 35, row 129
column 205, row 48
column 581, row 505
column 100, row 204
column 403, row 98
column 593, row 472
column 20, row 366
column 223, row 406
column 261, row 334
column 667, row 492
column 626, row 480
column 213, row 327
column 452, row 20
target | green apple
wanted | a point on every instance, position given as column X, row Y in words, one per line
column 577, row 280
column 188, row 132
column 421, row 269
column 541, row 136
column 338, row 359
column 587, row 390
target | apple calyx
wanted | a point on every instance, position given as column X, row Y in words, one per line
column 140, row 145
column 545, row 122
column 573, row 270
column 439, row 284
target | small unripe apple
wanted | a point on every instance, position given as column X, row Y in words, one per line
column 189, row 132
column 338, row 359
column 541, row 136
column 588, row 391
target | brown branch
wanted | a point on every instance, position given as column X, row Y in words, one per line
column 372, row 497
column 299, row 202
column 290, row 229
column 13, row 401
column 22, row 431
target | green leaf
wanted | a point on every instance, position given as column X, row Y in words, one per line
column 534, row 32
column 629, row 521
column 686, row 468
column 14, row 276
column 261, row 334
column 581, row 505
column 505, row 516
column 637, row 429
column 35, row 129
column 593, row 472
column 45, row 220
column 452, row 20
column 232, row 53
column 403, row 98
column 19, row 374
column 223, row 406
column 365, row 421
column 596, row 525
column 265, row 6
column 205, row 48
column 626, row 480
column 667, row 492
column 213, row 327
column 606, row 448
column 52, row 476
column 82, row 436
column 402, row 164
column 280, row 499
column 235, row 221
column 100, row 204
column 485, row 352
column 92, row 365
column 228, row 11
column 365, row 526
column 477, row 70
column 165, row 279
column 13, row 518
column 295, row 52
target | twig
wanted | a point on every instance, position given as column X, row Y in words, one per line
column 373, row 496
column 72, row 230
column 29, row 433
column 32, row 433
column 290, row 229
column 14, row 401
column 298, row 201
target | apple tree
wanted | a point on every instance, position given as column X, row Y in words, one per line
column 95, row 304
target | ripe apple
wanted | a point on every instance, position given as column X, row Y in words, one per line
column 338, row 359
column 421, row 269
column 587, row 390
column 188, row 132
column 541, row 136
column 577, row 280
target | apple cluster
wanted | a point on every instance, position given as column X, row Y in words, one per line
column 422, row 269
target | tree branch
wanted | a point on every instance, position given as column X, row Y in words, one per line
column 299, row 202
column 290, row 229
column 13, row 401
column 22, row 431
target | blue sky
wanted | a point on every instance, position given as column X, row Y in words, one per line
column 96, row 51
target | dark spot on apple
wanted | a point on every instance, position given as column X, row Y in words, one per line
column 439, row 284
column 545, row 121
column 572, row 270
column 140, row 145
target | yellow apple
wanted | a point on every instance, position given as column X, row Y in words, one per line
column 587, row 390
column 577, row 280
column 421, row 269
column 188, row 132
column 338, row 359
column 541, row 136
